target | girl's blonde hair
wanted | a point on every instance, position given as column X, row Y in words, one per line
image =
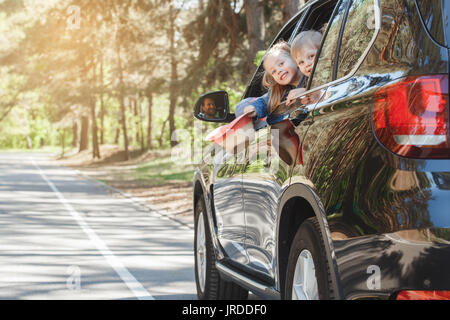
column 277, row 90
column 310, row 38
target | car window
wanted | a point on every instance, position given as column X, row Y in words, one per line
column 323, row 72
column 256, row 89
column 358, row 32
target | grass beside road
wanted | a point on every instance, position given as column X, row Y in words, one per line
column 162, row 170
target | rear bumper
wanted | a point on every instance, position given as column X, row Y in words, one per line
column 380, row 266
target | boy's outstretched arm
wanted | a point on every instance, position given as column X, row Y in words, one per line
column 293, row 95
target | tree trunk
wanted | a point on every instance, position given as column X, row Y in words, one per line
column 201, row 9
column 161, row 137
column 63, row 141
column 149, row 127
column 134, row 104
column 95, row 147
column 29, row 143
column 173, row 75
column 102, row 105
column 290, row 8
column 141, row 126
column 254, row 10
column 122, row 102
column 75, row 134
column 116, row 138
column 84, row 134
column 8, row 110
column 129, row 105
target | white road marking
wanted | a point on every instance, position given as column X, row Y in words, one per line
column 135, row 286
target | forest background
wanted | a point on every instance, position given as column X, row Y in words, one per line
column 82, row 73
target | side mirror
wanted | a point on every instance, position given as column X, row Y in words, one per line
column 213, row 107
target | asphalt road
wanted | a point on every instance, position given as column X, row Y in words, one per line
column 65, row 237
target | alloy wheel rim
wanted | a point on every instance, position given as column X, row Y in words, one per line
column 305, row 282
column 201, row 252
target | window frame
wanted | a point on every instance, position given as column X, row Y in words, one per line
column 299, row 24
column 322, row 42
column 303, row 13
column 300, row 17
column 377, row 28
column 341, row 34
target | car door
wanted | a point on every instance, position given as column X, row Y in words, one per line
column 338, row 144
column 318, row 91
column 264, row 183
column 268, row 160
column 265, row 175
column 337, row 131
column 228, row 204
column 228, row 173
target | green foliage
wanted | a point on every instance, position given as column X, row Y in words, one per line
column 159, row 171
column 50, row 74
column 259, row 56
column 28, row 128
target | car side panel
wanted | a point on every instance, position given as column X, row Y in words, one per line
column 265, row 176
column 228, row 206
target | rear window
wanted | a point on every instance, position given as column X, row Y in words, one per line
column 433, row 18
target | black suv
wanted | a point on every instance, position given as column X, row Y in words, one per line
column 354, row 202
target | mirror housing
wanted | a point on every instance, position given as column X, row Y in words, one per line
column 213, row 107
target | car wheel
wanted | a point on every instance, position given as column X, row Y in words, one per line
column 308, row 275
column 209, row 284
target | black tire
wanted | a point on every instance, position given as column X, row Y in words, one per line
column 309, row 237
column 214, row 287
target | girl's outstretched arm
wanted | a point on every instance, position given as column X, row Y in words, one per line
column 259, row 107
column 250, row 111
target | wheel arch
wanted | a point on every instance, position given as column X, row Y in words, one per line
column 198, row 191
column 298, row 203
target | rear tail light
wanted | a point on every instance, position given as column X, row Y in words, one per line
column 411, row 117
column 423, row 295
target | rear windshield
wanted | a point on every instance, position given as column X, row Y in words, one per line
column 435, row 17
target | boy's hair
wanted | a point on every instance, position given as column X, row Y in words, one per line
column 310, row 38
column 277, row 90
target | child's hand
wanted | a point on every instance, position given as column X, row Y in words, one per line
column 312, row 98
column 250, row 111
column 293, row 95
column 306, row 100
